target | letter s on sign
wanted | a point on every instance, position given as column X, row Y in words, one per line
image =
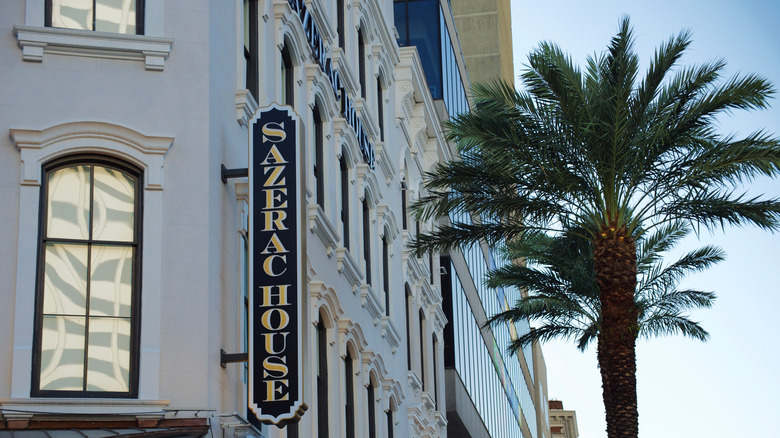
column 274, row 132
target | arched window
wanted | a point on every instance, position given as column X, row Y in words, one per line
column 422, row 349
column 404, row 200
column 386, row 269
column 87, row 308
column 367, row 237
column 371, row 411
column 389, row 420
column 349, row 389
column 319, row 167
column 408, row 303
column 288, row 78
column 435, row 347
column 344, row 169
column 340, row 22
column 322, row 380
column 362, row 63
column 380, row 113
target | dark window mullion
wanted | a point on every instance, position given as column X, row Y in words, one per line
column 89, row 265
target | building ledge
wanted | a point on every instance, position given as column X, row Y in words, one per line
column 37, row 41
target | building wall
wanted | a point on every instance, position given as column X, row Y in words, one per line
column 189, row 107
column 485, row 32
column 175, row 103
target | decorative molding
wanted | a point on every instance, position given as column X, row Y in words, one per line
column 321, row 226
column 37, row 41
column 390, row 333
column 369, row 301
column 38, row 146
column 246, row 106
column 386, row 218
column 414, row 382
column 347, row 266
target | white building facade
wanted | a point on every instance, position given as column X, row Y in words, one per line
column 124, row 251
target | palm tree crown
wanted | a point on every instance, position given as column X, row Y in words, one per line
column 616, row 162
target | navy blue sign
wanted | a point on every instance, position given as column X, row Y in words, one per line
column 276, row 267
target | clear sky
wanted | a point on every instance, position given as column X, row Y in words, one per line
column 729, row 386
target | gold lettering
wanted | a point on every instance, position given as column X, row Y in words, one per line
column 284, row 319
column 269, row 343
column 279, row 366
column 274, row 245
column 268, row 265
column 271, row 196
column 271, row 389
column 273, row 220
column 274, row 178
column 275, row 131
column 269, row 295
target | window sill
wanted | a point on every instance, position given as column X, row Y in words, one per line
column 37, row 41
column 96, row 406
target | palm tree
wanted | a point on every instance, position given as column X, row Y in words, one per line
column 609, row 158
column 562, row 294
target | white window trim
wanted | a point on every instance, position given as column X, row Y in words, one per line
column 35, row 39
column 39, row 146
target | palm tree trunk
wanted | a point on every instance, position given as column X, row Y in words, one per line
column 614, row 260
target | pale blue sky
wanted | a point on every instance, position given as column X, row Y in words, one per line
column 729, row 386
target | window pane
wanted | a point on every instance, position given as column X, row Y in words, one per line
column 62, row 353
column 68, row 203
column 111, row 281
column 65, row 279
column 108, row 365
column 117, row 16
column 114, row 205
column 72, row 14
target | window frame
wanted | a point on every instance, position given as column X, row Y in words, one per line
column 135, row 312
column 140, row 7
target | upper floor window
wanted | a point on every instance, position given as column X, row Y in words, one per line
column 319, row 165
column 386, row 270
column 250, row 46
column 380, row 113
column 322, row 380
column 288, row 78
column 367, row 237
column 87, row 310
column 344, row 199
column 362, row 63
column 115, row 16
column 340, row 22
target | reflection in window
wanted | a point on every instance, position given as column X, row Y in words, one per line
column 89, row 267
column 115, row 16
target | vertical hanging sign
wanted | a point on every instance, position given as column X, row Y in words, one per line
column 276, row 266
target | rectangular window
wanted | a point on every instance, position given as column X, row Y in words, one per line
column 86, row 323
column 114, row 16
column 250, row 47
